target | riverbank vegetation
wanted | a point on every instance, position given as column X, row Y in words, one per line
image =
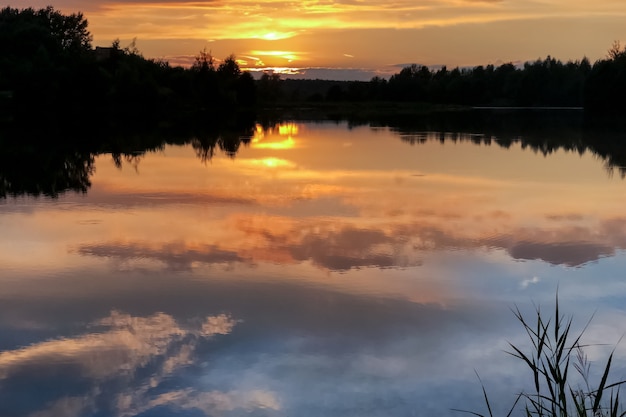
column 49, row 70
column 558, row 390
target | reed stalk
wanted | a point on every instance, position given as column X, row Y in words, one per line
column 553, row 351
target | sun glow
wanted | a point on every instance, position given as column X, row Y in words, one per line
column 288, row 143
column 274, row 36
column 288, row 55
column 288, row 129
column 273, row 163
column 371, row 33
column 261, row 140
column 276, row 70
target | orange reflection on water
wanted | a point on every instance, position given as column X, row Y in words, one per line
column 284, row 144
column 356, row 202
column 269, row 140
column 273, row 162
column 288, row 129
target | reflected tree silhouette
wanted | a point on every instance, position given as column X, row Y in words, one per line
column 45, row 173
column 32, row 164
column 228, row 139
column 543, row 132
column 130, row 159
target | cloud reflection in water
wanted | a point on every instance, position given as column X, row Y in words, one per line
column 425, row 240
column 343, row 246
column 140, row 351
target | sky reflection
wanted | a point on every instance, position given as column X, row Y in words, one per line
column 330, row 271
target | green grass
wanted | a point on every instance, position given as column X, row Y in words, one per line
column 553, row 352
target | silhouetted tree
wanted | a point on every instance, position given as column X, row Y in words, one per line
column 48, row 70
column 203, row 62
column 229, row 69
column 24, row 32
column 335, row 93
column 246, row 90
column 269, row 87
column 606, row 84
column 377, row 89
column 44, row 55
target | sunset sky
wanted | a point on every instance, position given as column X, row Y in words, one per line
column 362, row 36
column 357, row 34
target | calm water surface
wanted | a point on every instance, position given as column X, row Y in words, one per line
column 324, row 270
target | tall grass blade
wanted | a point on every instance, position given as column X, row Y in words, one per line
column 557, row 318
column 514, row 404
column 578, row 403
column 519, row 354
column 614, row 403
column 549, row 360
column 600, row 389
column 485, row 395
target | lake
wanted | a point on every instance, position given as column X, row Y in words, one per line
column 307, row 268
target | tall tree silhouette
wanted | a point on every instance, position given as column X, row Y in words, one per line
column 606, row 84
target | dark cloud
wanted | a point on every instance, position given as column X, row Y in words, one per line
column 562, row 253
column 176, row 255
column 565, row 217
column 349, row 247
column 615, row 231
column 570, row 246
column 338, row 248
column 342, row 250
column 104, row 197
column 345, row 247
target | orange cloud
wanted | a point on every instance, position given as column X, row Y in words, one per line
column 273, row 20
column 474, row 31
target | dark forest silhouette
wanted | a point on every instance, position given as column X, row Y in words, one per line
column 549, row 82
column 543, row 83
column 49, row 71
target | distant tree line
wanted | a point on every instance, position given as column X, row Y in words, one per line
column 547, row 82
column 49, row 70
column 543, row 83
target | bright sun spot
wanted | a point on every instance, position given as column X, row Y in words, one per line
column 274, row 36
column 288, row 55
column 270, row 141
column 276, row 70
column 285, row 144
column 273, row 163
column 288, row 129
